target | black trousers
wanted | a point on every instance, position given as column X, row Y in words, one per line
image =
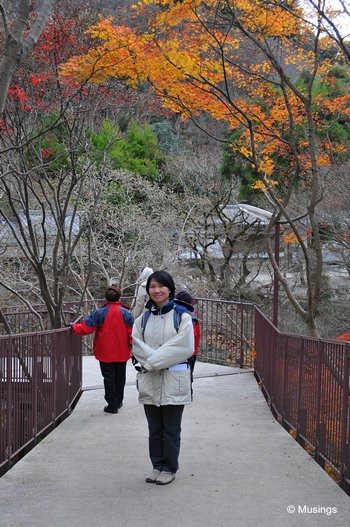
column 114, row 376
column 164, row 424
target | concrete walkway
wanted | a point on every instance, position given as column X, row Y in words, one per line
column 238, row 466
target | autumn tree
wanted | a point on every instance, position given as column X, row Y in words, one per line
column 21, row 29
column 260, row 68
column 50, row 183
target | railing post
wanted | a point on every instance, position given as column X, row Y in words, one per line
column 284, row 378
column 275, row 276
column 54, row 378
column 318, row 402
column 258, row 358
column 273, row 352
column 300, row 378
column 67, row 347
column 35, row 387
column 242, row 340
column 9, row 402
column 345, row 461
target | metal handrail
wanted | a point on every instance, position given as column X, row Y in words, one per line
column 305, row 380
column 40, row 382
column 306, row 383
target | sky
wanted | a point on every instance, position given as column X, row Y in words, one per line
column 343, row 20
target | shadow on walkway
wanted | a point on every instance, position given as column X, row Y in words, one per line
column 238, row 466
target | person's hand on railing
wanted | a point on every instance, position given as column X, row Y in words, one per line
column 71, row 324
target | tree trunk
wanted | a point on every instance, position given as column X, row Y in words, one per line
column 17, row 48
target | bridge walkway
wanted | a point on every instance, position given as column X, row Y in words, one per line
column 238, row 466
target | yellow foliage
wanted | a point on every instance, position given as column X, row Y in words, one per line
column 246, row 152
column 266, row 166
column 274, row 21
column 194, row 59
column 323, row 160
column 264, row 184
column 290, row 238
column 338, row 149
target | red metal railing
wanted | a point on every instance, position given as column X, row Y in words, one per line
column 306, row 382
column 40, row 382
column 25, row 321
column 227, row 332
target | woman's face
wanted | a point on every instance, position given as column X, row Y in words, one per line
column 158, row 293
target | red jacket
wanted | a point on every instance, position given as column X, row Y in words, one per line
column 197, row 335
column 112, row 325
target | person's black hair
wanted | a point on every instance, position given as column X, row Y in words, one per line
column 112, row 294
column 163, row 278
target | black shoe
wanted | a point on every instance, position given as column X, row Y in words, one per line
column 110, row 410
column 119, row 405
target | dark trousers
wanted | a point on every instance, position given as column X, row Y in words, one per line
column 114, row 376
column 164, row 425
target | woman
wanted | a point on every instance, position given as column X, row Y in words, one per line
column 162, row 348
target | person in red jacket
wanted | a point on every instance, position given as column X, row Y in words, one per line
column 112, row 325
column 185, row 299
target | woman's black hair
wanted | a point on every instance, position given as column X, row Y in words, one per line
column 163, row 278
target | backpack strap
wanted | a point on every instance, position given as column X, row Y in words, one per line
column 177, row 319
column 144, row 320
column 178, row 311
